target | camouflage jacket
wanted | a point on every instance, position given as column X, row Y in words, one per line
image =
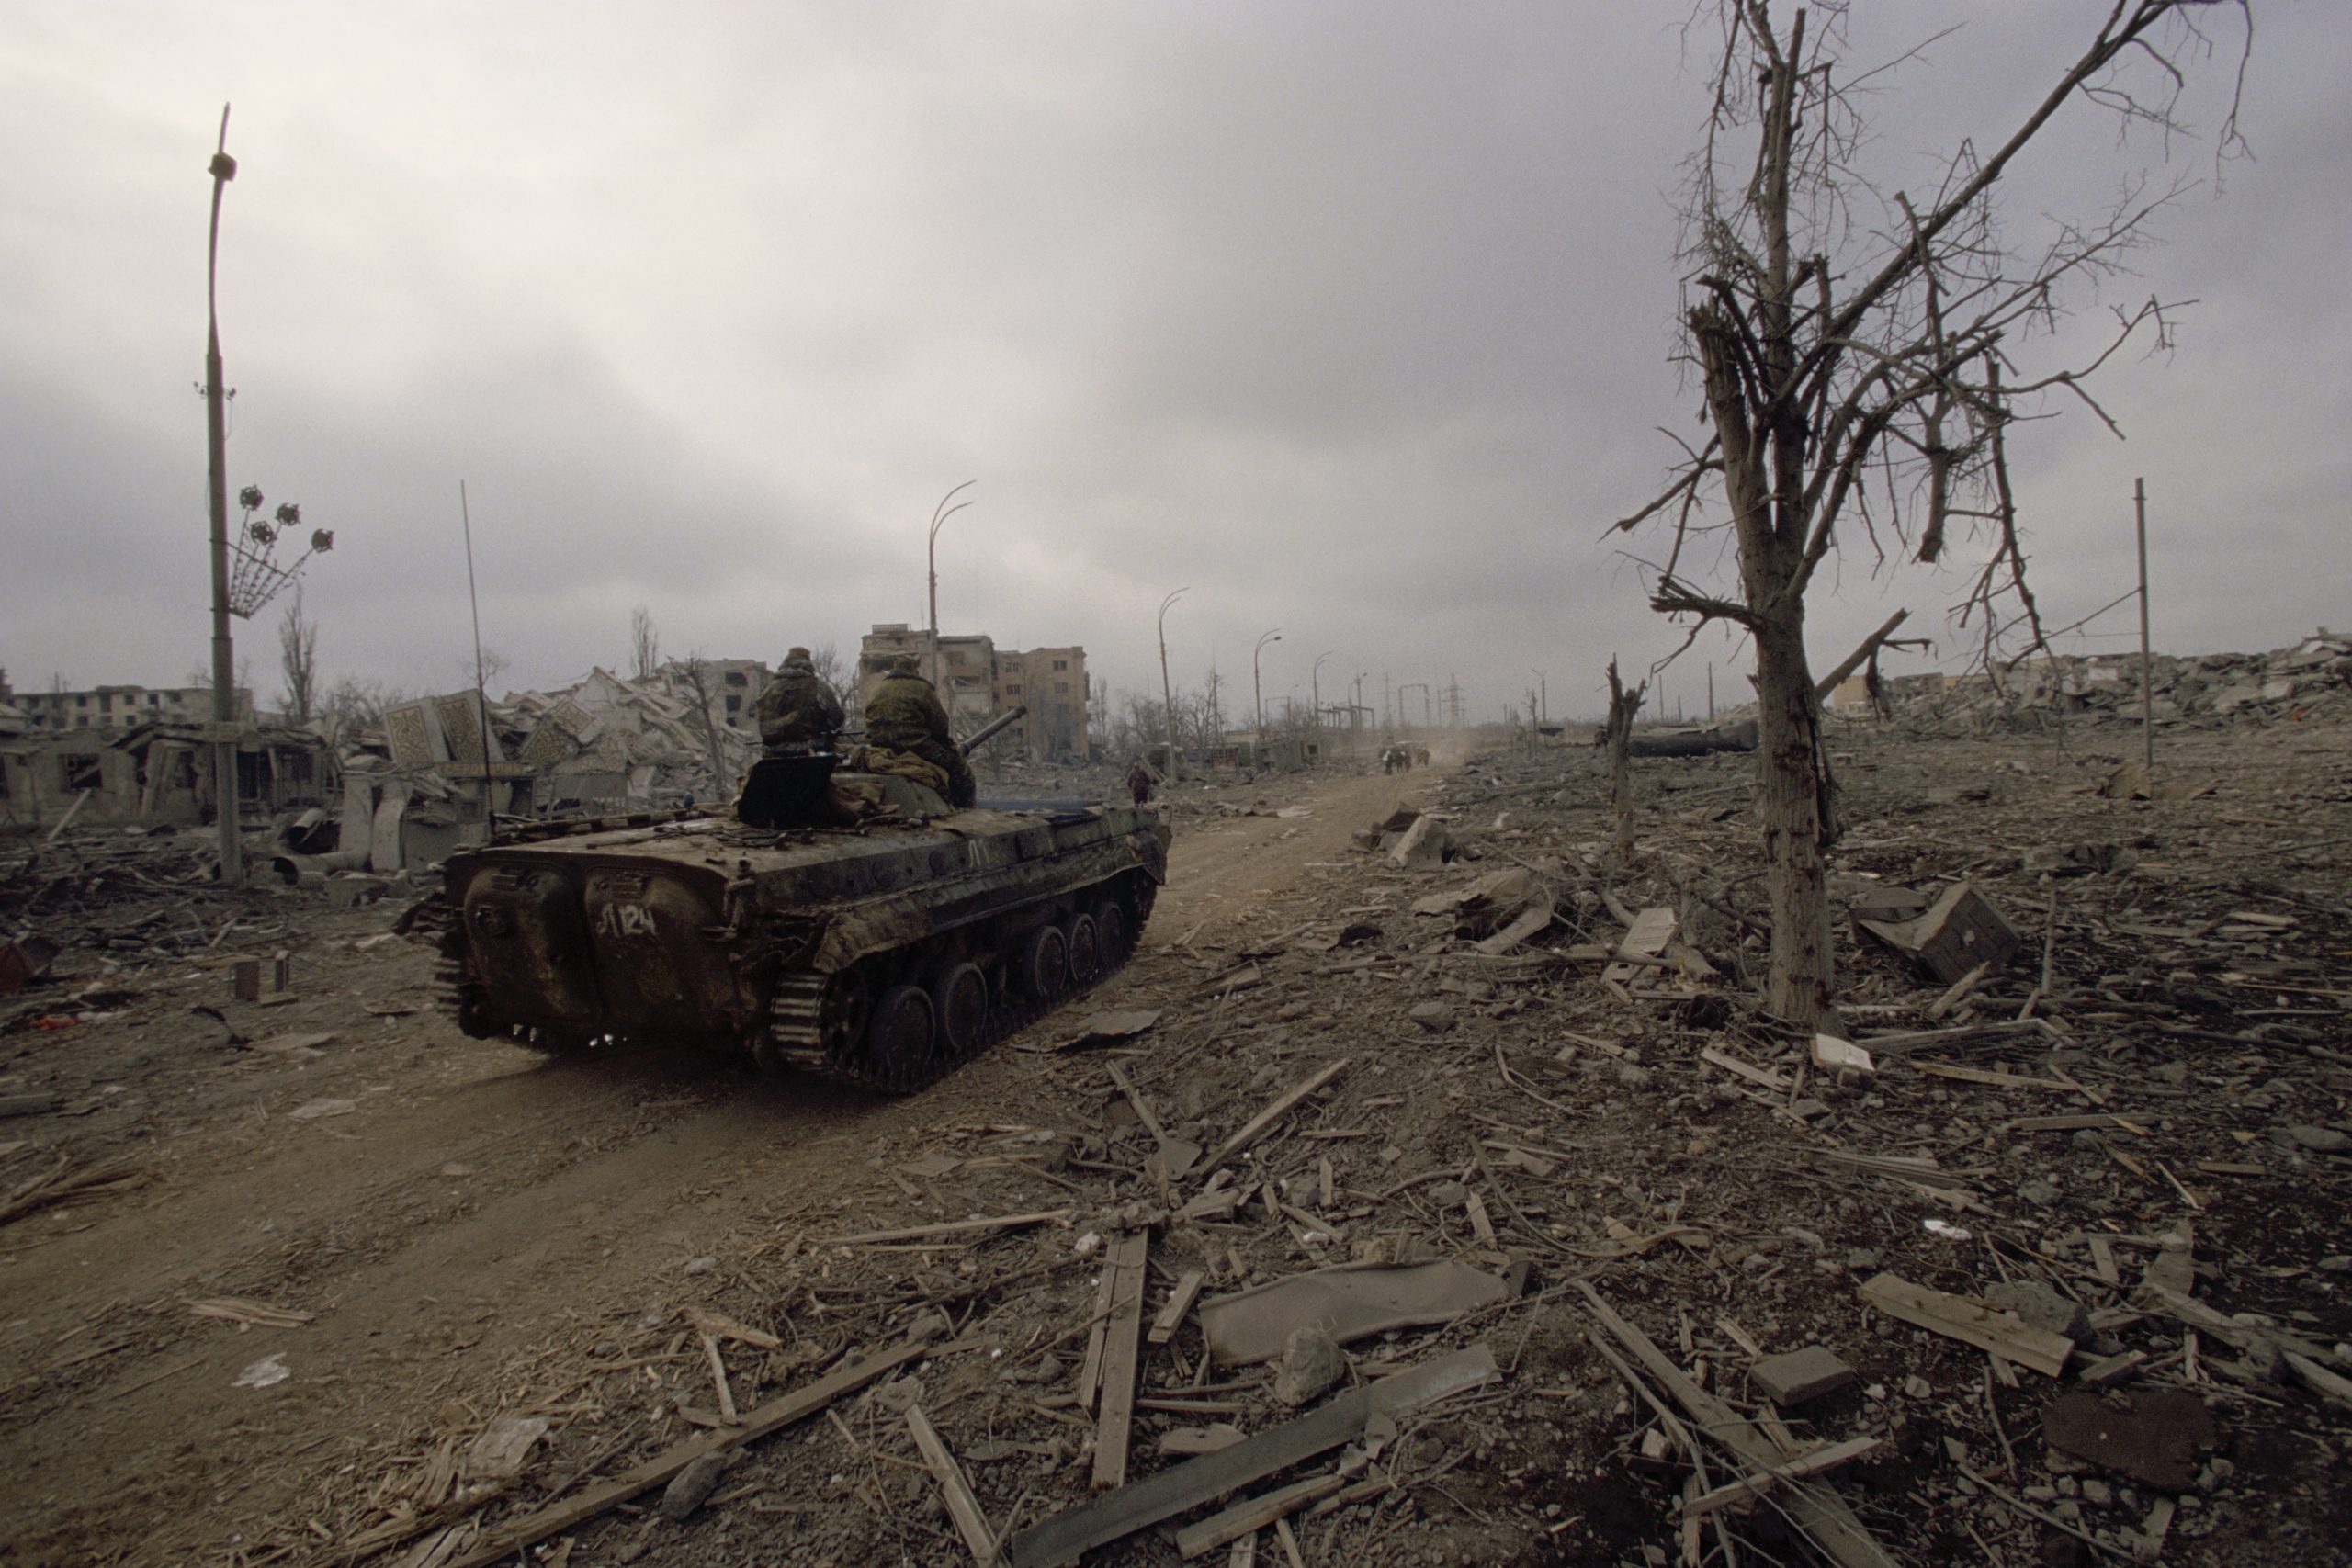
column 903, row 713
column 798, row 706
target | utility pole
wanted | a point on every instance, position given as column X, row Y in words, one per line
column 1315, row 680
column 216, row 431
column 1711, row 694
column 940, row 514
column 2148, row 689
column 1167, row 692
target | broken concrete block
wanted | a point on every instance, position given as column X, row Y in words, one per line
column 1423, row 845
column 1960, row 930
column 1311, row 1364
column 246, row 980
column 693, row 1486
column 2041, row 1307
column 1432, row 1016
column 503, row 1445
column 1797, row 1376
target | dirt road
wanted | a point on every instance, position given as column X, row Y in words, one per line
column 440, row 1210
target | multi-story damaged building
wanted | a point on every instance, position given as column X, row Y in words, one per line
column 121, row 707
column 977, row 681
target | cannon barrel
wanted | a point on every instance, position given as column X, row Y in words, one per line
column 990, row 731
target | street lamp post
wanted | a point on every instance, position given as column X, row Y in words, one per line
column 1314, row 679
column 224, row 689
column 939, row 515
column 1167, row 692
column 1257, row 695
column 1543, row 696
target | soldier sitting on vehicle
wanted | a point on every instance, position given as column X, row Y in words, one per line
column 798, row 712
column 904, row 715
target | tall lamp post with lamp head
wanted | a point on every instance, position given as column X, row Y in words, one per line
column 939, row 515
column 1257, row 694
column 1167, row 692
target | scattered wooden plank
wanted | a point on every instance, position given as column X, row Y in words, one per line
column 1911, row 1040
column 1994, row 1076
column 1828, row 1456
column 1645, row 938
column 1122, row 1351
column 720, row 1326
column 260, row 1315
column 727, row 1411
column 1059, row 1542
column 2103, row 1121
column 1249, row 1518
column 1822, row 1514
column 1267, row 1118
column 502, row 1541
column 1171, row 1316
column 2000, row 1333
column 1764, row 1077
column 971, row 1522
column 953, row 1227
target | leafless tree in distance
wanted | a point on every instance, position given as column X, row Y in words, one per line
column 297, row 660
column 1861, row 352
column 644, row 643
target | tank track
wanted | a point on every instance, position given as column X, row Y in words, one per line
column 795, row 1032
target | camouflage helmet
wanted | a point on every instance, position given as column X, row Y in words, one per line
column 795, row 656
column 905, row 664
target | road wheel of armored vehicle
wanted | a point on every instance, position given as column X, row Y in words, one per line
column 900, row 1042
column 1085, row 950
column 959, row 998
column 1111, row 936
column 1045, row 964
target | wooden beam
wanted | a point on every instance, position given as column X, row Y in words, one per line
column 1059, row 1541
column 1266, row 1118
column 1822, row 1514
column 1122, row 1350
column 1251, row 1517
column 963, row 1508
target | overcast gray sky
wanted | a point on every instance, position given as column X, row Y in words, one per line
column 1356, row 318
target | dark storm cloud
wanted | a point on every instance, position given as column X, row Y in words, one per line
column 1357, row 320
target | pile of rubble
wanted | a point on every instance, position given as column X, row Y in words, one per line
column 2311, row 680
column 1464, row 1209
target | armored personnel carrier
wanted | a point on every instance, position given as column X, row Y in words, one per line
column 880, row 954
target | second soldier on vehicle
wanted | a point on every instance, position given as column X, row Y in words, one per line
column 904, row 715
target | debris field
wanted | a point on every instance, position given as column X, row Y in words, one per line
column 1429, row 1190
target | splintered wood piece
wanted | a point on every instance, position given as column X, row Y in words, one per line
column 1266, row 1118
column 1645, row 937
column 971, row 1522
column 719, row 1326
column 1249, row 1518
column 1122, row 1353
column 953, row 1227
column 1811, row 1463
column 727, row 1412
column 2002, row 1334
column 1171, row 1316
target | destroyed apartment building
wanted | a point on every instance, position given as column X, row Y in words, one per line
column 128, row 756
column 413, row 791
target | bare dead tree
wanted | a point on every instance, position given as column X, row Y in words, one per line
column 1865, row 366
column 297, row 660
column 695, row 675
column 1623, row 705
column 644, row 642
column 834, row 672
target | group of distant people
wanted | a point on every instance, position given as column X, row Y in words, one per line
column 1404, row 759
column 906, row 726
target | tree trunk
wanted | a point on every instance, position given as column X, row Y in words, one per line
column 1791, row 784
column 1622, row 707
